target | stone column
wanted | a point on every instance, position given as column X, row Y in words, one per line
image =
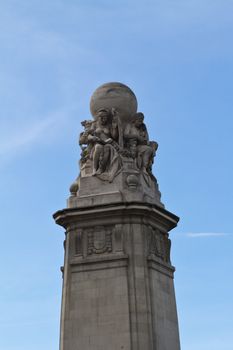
column 118, row 291
column 118, row 280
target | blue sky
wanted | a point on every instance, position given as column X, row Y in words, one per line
column 177, row 58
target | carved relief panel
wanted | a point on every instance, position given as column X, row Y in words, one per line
column 159, row 244
column 98, row 240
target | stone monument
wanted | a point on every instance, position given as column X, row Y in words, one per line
column 118, row 291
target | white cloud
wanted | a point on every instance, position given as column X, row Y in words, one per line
column 36, row 131
column 206, row 234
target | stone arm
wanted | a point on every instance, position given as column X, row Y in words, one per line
column 127, row 132
column 88, row 136
column 85, row 138
column 93, row 139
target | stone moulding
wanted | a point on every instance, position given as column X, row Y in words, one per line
column 138, row 212
column 155, row 264
column 99, row 263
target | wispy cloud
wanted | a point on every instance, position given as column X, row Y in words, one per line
column 206, row 234
column 36, row 131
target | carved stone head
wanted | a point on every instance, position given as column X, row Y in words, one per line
column 104, row 116
column 139, row 119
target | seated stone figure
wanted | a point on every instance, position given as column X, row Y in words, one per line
column 86, row 147
column 137, row 141
column 102, row 138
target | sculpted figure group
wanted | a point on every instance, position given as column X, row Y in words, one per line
column 105, row 142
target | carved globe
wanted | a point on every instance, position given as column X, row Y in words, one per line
column 114, row 95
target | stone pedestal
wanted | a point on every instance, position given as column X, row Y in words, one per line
column 118, row 288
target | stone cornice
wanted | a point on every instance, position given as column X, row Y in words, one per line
column 134, row 212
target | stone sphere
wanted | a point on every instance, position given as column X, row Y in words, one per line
column 114, row 95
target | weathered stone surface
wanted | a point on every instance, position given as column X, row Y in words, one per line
column 118, row 285
column 118, row 291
